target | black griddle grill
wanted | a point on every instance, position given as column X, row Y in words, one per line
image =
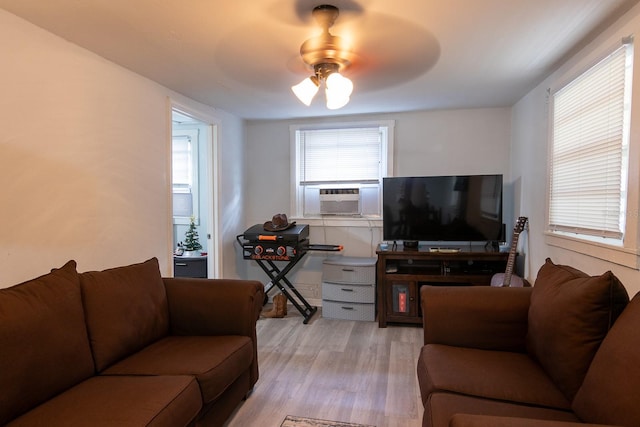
column 290, row 246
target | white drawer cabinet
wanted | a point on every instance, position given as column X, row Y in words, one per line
column 349, row 288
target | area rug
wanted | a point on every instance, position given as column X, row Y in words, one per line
column 293, row 421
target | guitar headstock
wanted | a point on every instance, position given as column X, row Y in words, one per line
column 521, row 222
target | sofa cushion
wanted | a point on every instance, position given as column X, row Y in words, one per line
column 441, row 407
column 215, row 361
column 467, row 420
column 126, row 309
column 609, row 394
column 44, row 348
column 569, row 316
column 168, row 401
column 496, row 375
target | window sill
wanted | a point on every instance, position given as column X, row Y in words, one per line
column 615, row 254
column 333, row 221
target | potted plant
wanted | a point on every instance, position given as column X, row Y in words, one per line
column 191, row 241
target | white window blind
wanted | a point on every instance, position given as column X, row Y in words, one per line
column 340, row 155
column 184, row 167
column 182, row 163
column 589, row 158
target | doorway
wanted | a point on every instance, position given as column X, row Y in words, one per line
column 192, row 188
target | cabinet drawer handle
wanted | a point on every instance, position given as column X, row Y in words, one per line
column 347, row 289
column 181, row 264
column 347, row 308
column 347, row 269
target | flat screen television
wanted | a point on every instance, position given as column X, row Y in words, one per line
column 457, row 208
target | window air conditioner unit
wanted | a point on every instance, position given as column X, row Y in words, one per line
column 340, row 201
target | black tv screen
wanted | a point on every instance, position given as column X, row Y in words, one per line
column 460, row 208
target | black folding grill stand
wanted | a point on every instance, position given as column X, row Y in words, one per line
column 278, row 276
column 264, row 248
column 288, row 246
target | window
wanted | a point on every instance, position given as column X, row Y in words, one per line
column 185, row 175
column 338, row 169
column 590, row 151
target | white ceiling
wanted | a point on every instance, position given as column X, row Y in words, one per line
column 242, row 56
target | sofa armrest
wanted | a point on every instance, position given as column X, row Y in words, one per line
column 214, row 306
column 484, row 317
column 467, row 420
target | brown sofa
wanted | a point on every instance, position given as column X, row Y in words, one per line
column 550, row 355
column 126, row 347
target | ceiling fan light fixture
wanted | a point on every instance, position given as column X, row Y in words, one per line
column 337, row 91
column 335, row 100
column 336, row 82
column 306, row 90
column 328, row 55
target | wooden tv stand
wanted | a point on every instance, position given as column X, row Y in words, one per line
column 401, row 273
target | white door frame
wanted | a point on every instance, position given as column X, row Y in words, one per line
column 214, row 245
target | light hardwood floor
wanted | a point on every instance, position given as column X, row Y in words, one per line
column 335, row 370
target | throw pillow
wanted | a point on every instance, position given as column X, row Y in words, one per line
column 609, row 393
column 126, row 309
column 569, row 316
column 44, row 348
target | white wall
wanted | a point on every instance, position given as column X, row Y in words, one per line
column 470, row 141
column 529, row 157
column 231, row 178
column 84, row 159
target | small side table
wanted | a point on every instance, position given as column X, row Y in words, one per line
column 190, row 266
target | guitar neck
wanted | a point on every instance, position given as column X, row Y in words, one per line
column 512, row 252
column 512, row 255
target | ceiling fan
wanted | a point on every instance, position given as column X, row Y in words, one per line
column 328, row 56
column 377, row 51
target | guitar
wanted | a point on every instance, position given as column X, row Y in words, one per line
column 508, row 279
